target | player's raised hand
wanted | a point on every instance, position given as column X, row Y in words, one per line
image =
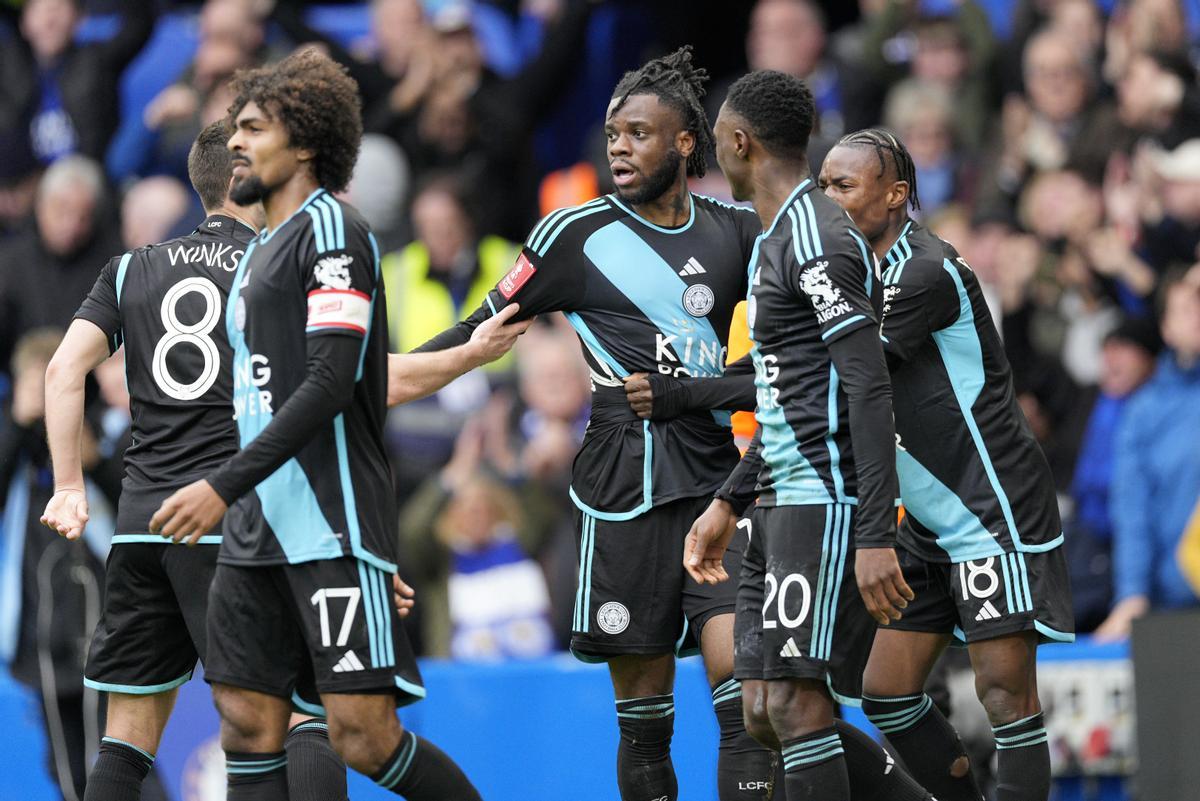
column 881, row 583
column 706, row 542
column 67, row 513
column 189, row 514
column 496, row 336
column 640, row 394
column 403, row 596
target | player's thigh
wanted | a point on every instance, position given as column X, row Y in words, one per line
column 253, row 637
column 630, row 578
column 901, row 661
column 641, row 675
column 710, row 608
column 353, row 637
column 141, row 645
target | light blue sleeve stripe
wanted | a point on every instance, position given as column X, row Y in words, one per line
column 818, row 248
column 121, row 269
column 842, row 325
column 330, row 237
column 318, row 228
column 492, row 306
column 338, row 221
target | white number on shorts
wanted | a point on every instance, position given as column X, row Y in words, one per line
column 745, row 523
column 781, row 589
column 319, row 600
column 968, row 577
column 195, row 334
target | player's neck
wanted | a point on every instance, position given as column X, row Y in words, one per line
column 236, row 212
column 884, row 242
column 287, row 198
column 671, row 209
column 774, row 181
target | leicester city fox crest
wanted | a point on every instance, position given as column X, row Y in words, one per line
column 333, row 272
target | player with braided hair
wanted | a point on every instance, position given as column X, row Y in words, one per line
column 649, row 277
column 980, row 540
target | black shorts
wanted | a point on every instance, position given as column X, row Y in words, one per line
column 152, row 629
column 988, row 598
column 799, row 613
column 330, row 621
column 634, row 596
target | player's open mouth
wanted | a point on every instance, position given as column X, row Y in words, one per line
column 623, row 174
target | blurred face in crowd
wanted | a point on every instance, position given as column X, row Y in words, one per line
column 1181, row 199
column 459, row 51
column 473, row 514
column 442, row 226
column 785, row 35
column 853, row 178
column 263, row 159
column 1144, row 94
column 1080, row 21
column 928, row 138
column 1055, row 79
column 48, row 26
column 445, row 120
column 396, row 26
column 553, row 378
column 1061, row 205
column 217, row 58
column 940, row 56
column 66, row 217
column 1124, row 367
column 230, row 21
column 647, row 147
column 1181, row 320
column 151, row 208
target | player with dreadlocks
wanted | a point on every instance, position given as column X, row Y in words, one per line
column 649, row 277
column 979, row 543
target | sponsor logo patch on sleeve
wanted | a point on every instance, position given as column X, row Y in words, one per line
column 339, row 308
column 517, row 277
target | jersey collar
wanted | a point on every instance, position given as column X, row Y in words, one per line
column 802, row 187
column 227, row 224
column 691, row 216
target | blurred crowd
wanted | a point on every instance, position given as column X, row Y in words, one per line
column 1056, row 144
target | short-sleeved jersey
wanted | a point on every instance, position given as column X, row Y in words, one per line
column 316, row 274
column 813, row 281
column 166, row 303
column 642, row 298
column 973, row 479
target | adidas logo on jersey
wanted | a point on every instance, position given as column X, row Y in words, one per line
column 692, row 267
column 790, row 648
column 988, row 612
column 349, row 663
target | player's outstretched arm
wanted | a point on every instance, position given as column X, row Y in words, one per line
column 420, row 373
column 82, row 349
column 660, row 397
column 858, row 357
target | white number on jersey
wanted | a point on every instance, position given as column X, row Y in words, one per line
column 195, row 334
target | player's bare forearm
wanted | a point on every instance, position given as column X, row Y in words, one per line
column 83, row 348
column 417, row 374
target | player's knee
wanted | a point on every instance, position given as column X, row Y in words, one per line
column 797, row 708
column 1005, row 698
column 363, row 746
column 758, row 726
column 243, row 725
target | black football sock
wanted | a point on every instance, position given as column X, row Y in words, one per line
column 1022, row 760
column 256, row 777
column 644, row 769
column 746, row 771
column 874, row 774
column 420, row 771
column 315, row 772
column 118, row 773
column 815, row 767
column 927, row 743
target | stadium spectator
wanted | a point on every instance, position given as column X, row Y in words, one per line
column 953, row 51
column 48, row 269
column 468, row 540
column 60, row 97
column 153, row 210
column 1127, row 361
column 1157, row 96
column 1157, row 467
column 922, row 115
column 379, row 189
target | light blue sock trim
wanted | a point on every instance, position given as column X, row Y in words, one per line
column 115, row 741
column 403, row 760
column 254, row 766
column 1015, row 723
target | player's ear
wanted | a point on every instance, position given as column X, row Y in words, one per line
column 897, row 195
column 685, row 143
column 741, row 143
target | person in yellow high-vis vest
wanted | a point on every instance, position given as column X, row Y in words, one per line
column 446, row 270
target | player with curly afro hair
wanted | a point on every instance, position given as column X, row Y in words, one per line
column 318, row 105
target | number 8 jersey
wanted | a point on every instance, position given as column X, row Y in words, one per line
column 166, row 304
